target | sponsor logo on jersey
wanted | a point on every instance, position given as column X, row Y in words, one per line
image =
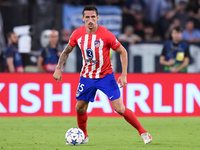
column 93, row 61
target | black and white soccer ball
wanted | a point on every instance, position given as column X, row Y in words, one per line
column 74, row 136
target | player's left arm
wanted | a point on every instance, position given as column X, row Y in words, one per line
column 124, row 61
column 184, row 64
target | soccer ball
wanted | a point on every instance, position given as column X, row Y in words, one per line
column 74, row 136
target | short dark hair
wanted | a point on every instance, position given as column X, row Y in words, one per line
column 178, row 29
column 9, row 34
column 90, row 7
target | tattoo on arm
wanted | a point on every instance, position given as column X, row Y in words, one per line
column 68, row 49
column 64, row 55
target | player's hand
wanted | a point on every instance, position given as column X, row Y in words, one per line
column 122, row 80
column 171, row 62
column 173, row 70
column 57, row 75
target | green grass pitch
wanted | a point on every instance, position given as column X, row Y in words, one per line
column 48, row 133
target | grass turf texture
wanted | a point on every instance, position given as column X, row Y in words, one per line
column 42, row 133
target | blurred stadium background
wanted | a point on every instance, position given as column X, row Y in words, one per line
column 149, row 92
column 151, row 20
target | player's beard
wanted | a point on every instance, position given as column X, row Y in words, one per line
column 15, row 44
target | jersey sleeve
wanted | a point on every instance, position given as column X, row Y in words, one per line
column 9, row 53
column 72, row 39
column 187, row 52
column 163, row 51
column 114, row 43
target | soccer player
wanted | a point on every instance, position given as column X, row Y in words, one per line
column 95, row 42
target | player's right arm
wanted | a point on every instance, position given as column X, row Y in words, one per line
column 10, row 64
column 40, row 64
column 41, row 59
column 163, row 61
column 10, row 60
column 63, row 57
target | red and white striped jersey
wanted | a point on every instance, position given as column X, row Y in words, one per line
column 95, row 51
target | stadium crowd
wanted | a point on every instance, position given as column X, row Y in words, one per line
column 142, row 20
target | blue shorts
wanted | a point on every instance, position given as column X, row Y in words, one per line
column 87, row 88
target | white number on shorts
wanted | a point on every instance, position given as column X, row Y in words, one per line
column 80, row 87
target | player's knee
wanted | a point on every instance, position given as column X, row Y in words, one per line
column 120, row 110
column 80, row 109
